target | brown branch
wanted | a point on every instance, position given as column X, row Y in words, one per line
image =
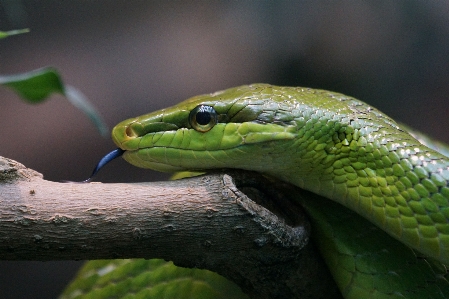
column 204, row 222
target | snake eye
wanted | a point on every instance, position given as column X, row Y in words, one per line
column 203, row 118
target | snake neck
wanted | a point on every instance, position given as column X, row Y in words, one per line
column 385, row 175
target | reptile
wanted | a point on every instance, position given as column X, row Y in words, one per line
column 382, row 225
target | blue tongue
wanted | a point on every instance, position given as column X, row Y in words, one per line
column 105, row 160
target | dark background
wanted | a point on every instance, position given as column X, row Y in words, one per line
column 133, row 57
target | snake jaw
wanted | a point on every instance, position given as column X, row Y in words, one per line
column 178, row 149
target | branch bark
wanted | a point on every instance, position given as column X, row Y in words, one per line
column 208, row 222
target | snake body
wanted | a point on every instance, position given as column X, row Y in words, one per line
column 335, row 146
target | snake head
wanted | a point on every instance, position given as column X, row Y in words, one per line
column 203, row 132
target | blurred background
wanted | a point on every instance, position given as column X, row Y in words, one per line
column 133, row 57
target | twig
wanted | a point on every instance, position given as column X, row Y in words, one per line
column 204, row 222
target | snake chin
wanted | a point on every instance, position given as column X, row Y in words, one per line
column 133, row 158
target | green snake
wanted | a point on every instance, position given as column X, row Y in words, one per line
column 328, row 143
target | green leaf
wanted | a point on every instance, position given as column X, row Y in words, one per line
column 36, row 86
column 4, row 34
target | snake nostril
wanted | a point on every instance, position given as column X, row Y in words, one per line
column 130, row 132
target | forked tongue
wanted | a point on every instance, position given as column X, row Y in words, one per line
column 105, row 160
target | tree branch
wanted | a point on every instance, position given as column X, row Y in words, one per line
column 203, row 222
